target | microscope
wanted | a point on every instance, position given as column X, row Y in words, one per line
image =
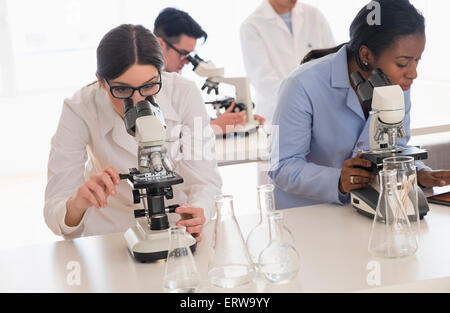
column 152, row 181
column 385, row 102
column 215, row 75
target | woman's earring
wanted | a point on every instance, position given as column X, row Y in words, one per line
column 366, row 66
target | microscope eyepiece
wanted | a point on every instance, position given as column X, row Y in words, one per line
column 379, row 79
column 143, row 108
column 356, row 78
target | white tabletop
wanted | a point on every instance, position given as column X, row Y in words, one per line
column 332, row 242
column 236, row 150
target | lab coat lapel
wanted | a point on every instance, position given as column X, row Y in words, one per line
column 363, row 142
column 122, row 138
column 297, row 25
column 353, row 103
column 111, row 120
column 269, row 12
column 339, row 79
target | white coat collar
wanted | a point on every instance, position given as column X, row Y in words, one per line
column 109, row 120
column 339, row 69
column 339, row 79
column 106, row 114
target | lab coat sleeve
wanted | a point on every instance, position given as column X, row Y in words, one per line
column 407, row 125
column 198, row 165
column 258, row 65
column 66, row 168
column 290, row 146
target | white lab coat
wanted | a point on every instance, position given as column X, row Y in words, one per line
column 271, row 52
column 91, row 136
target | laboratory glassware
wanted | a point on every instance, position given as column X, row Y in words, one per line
column 181, row 273
column 391, row 234
column 407, row 187
column 279, row 262
column 230, row 264
column 259, row 236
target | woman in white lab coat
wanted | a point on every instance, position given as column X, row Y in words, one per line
column 274, row 40
column 84, row 195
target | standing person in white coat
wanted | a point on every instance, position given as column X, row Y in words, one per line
column 274, row 40
column 84, row 195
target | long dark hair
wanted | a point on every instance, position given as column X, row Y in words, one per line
column 398, row 18
column 124, row 46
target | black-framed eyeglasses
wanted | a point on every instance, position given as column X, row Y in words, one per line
column 183, row 55
column 125, row 92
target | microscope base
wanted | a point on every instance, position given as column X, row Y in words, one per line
column 365, row 201
column 240, row 131
column 149, row 245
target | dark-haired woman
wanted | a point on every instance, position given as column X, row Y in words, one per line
column 84, row 195
column 320, row 123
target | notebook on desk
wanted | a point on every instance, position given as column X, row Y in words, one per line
column 443, row 199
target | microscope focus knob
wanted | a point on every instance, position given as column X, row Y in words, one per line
column 136, row 196
column 169, row 193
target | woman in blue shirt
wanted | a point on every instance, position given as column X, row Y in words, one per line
column 319, row 123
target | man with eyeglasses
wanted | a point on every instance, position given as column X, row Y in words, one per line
column 177, row 34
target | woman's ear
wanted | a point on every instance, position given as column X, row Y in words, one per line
column 367, row 58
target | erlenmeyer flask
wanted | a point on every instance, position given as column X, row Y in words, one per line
column 391, row 234
column 259, row 236
column 279, row 261
column 407, row 187
column 230, row 264
column 181, row 273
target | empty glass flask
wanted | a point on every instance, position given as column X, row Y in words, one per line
column 230, row 264
column 279, row 261
column 181, row 273
column 407, row 187
column 391, row 235
column 259, row 236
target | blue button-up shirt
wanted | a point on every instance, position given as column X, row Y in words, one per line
column 318, row 124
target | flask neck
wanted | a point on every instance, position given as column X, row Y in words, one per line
column 266, row 201
column 224, row 206
column 275, row 226
column 177, row 237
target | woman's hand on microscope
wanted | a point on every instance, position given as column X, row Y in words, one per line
column 94, row 192
column 354, row 175
column 192, row 218
column 428, row 178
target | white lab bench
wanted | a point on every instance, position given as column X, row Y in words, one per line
column 332, row 242
column 244, row 149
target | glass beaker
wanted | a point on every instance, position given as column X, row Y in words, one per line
column 230, row 264
column 279, row 261
column 391, row 235
column 181, row 273
column 407, row 187
column 259, row 236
